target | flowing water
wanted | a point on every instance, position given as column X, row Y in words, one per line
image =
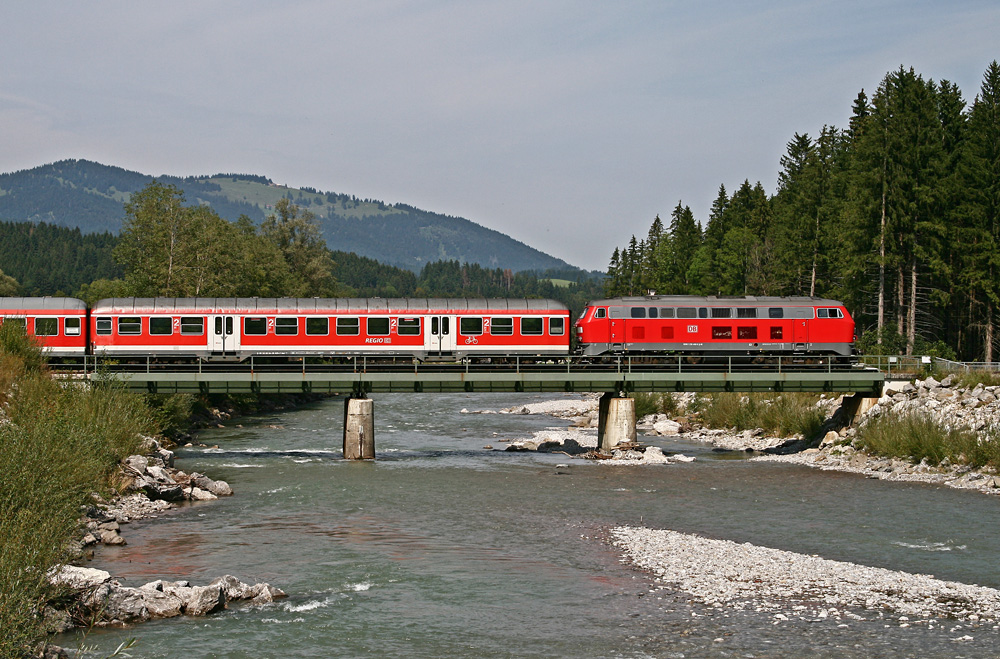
column 441, row 548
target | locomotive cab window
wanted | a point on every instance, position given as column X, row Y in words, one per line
column 317, row 326
column 557, row 326
column 255, row 326
column 72, row 327
column 160, row 326
column 46, row 326
column 502, row 327
column 348, row 327
column 409, row 327
column 601, row 313
column 286, row 326
column 829, row 313
column 103, row 325
column 532, row 326
column 130, row 325
column 192, row 325
column 638, row 312
column 378, row 327
column 470, row 326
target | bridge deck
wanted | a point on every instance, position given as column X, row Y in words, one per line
column 360, row 376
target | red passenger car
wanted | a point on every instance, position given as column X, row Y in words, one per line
column 716, row 326
column 236, row 328
column 58, row 323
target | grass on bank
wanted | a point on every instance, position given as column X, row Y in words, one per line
column 58, row 445
column 916, row 438
column 781, row 414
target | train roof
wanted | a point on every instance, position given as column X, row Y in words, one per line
column 42, row 303
column 717, row 301
column 311, row 304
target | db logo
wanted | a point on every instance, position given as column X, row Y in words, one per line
column 692, row 329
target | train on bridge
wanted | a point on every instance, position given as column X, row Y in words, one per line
column 433, row 328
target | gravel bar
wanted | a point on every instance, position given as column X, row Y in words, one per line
column 725, row 574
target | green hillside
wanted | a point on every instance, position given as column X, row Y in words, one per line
column 89, row 195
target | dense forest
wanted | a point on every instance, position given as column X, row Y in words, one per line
column 49, row 260
column 897, row 215
column 170, row 248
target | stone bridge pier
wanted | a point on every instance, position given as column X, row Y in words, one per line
column 359, row 429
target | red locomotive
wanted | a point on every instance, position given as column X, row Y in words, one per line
column 716, row 326
column 59, row 323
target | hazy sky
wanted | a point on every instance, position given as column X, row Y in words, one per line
column 567, row 125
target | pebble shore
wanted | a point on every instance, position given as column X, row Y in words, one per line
column 721, row 573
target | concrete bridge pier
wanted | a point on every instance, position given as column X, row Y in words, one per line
column 616, row 421
column 359, row 429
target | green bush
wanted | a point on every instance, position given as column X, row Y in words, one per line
column 915, row 438
column 59, row 443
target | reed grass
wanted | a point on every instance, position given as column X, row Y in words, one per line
column 58, row 445
column 784, row 415
column 654, row 403
column 915, row 438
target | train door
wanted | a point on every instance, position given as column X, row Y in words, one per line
column 800, row 331
column 224, row 336
column 616, row 325
column 440, row 334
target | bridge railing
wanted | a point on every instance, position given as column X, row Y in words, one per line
column 903, row 366
column 90, row 364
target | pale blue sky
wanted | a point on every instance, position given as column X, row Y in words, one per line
column 568, row 125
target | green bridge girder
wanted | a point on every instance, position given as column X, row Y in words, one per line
column 459, row 378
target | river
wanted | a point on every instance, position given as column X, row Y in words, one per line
column 443, row 548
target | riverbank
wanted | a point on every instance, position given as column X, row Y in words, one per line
column 743, row 577
column 947, row 403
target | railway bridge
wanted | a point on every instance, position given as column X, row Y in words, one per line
column 616, row 378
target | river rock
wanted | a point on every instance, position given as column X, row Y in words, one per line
column 160, row 604
column 666, row 427
column 198, row 494
column 137, row 463
column 160, row 491
column 201, row 600
column 160, row 474
column 829, row 439
column 79, row 578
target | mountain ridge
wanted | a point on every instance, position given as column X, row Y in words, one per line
column 90, row 196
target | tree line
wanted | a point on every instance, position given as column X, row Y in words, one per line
column 897, row 215
column 171, row 249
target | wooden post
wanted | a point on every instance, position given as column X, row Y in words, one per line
column 616, row 422
column 359, row 429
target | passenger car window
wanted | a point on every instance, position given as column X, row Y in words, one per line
column 253, row 326
column 502, row 326
column 409, row 327
column 348, row 327
column 46, row 326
